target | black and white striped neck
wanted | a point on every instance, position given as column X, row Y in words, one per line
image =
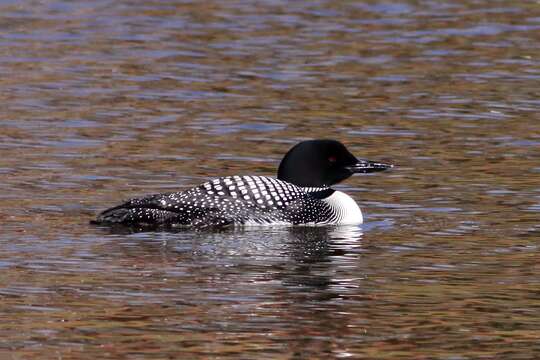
column 319, row 192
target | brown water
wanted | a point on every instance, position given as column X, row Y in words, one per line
column 105, row 100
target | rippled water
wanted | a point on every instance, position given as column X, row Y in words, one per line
column 105, row 100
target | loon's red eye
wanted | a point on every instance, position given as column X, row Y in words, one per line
column 332, row 159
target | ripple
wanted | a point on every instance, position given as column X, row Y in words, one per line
column 382, row 131
column 107, row 100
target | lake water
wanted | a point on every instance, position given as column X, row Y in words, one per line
column 106, row 100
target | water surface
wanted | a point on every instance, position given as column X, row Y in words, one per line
column 105, row 100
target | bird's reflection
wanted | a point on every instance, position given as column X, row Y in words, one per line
column 302, row 257
column 314, row 251
column 268, row 273
column 319, row 244
column 306, row 244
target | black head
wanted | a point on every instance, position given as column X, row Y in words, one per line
column 321, row 163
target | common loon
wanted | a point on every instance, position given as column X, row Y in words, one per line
column 301, row 195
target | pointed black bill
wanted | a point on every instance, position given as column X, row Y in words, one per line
column 367, row 166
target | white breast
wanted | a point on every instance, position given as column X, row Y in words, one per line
column 348, row 212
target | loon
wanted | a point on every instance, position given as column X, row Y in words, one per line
column 301, row 195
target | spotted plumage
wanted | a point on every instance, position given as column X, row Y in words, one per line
column 258, row 200
column 242, row 200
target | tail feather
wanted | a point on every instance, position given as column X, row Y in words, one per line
column 150, row 211
column 135, row 215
